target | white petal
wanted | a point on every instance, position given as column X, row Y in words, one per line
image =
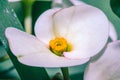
column 85, row 27
column 22, row 43
column 62, row 20
column 107, row 66
column 76, row 2
column 44, row 26
column 32, row 52
column 48, row 59
column 113, row 33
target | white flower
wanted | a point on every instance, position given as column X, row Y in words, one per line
column 84, row 30
column 65, row 3
column 106, row 66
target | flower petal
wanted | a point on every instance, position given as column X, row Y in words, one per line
column 30, row 51
column 107, row 66
column 62, row 20
column 85, row 27
column 48, row 59
column 44, row 26
column 76, row 2
column 22, row 43
column 113, row 33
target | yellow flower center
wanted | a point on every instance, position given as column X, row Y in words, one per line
column 58, row 46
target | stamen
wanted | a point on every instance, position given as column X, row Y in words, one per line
column 58, row 46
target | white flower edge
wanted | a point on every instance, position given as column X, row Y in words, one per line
column 78, row 26
column 76, row 2
column 113, row 34
column 107, row 66
column 38, row 47
column 30, row 51
column 44, row 26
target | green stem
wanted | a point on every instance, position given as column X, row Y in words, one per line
column 27, row 8
column 65, row 73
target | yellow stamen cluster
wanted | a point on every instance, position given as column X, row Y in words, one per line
column 58, row 46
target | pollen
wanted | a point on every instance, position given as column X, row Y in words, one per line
column 58, row 46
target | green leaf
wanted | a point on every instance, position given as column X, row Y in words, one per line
column 9, row 19
column 37, row 9
column 27, row 7
column 3, row 53
column 115, row 5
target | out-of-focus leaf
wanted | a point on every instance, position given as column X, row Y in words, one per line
column 7, row 70
column 57, row 76
column 28, row 0
column 9, row 19
column 43, row 0
column 17, row 6
column 3, row 53
column 27, row 7
column 38, row 8
column 115, row 5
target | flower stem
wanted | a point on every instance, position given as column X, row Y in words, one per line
column 27, row 8
column 65, row 73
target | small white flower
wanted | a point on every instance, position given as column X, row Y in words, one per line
column 106, row 66
column 76, row 33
